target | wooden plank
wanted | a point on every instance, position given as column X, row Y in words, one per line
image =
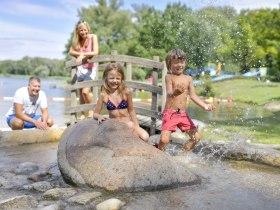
column 144, row 86
column 103, row 65
column 70, row 64
column 79, row 108
column 128, row 72
column 145, row 121
column 163, row 98
column 73, row 95
column 145, row 63
column 154, row 105
column 131, row 84
column 79, row 85
column 148, row 112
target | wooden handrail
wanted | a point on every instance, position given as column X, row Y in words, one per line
column 142, row 62
column 129, row 62
column 131, row 84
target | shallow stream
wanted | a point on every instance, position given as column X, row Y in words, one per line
column 224, row 185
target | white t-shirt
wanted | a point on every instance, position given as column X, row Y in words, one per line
column 30, row 103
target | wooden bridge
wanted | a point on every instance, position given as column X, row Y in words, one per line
column 149, row 117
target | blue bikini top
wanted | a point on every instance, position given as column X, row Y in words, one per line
column 122, row 105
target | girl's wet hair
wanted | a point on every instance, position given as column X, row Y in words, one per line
column 175, row 54
column 118, row 68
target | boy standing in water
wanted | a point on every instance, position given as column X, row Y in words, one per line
column 178, row 87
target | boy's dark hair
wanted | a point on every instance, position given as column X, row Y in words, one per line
column 175, row 54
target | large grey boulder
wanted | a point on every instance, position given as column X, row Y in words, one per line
column 259, row 153
column 109, row 156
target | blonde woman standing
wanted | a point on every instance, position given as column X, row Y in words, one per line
column 84, row 47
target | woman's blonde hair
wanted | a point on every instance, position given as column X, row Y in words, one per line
column 76, row 42
column 118, row 68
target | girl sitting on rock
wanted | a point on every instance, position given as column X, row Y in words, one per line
column 118, row 100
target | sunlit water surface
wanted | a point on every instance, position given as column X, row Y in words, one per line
column 224, row 185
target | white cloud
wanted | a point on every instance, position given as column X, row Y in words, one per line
column 73, row 5
column 237, row 4
column 17, row 41
column 28, row 29
column 24, row 9
column 244, row 4
column 254, row 4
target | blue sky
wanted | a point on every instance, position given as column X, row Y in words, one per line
column 42, row 27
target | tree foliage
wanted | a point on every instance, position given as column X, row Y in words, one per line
column 265, row 24
column 250, row 39
column 42, row 67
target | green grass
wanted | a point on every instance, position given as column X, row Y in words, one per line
column 142, row 95
column 264, row 130
column 246, row 90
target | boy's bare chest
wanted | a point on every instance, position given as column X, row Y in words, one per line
column 180, row 81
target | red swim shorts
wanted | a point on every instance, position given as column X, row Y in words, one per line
column 172, row 119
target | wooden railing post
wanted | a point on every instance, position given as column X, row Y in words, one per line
column 128, row 72
column 95, row 89
column 163, row 97
column 154, row 98
column 73, row 96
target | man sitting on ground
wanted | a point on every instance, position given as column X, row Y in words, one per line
column 26, row 101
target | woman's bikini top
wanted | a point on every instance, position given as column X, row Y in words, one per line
column 122, row 105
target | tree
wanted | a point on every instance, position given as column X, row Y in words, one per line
column 42, row 71
column 222, row 21
column 36, row 66
column 149, row 28
column 244, row 46
column 265, row 24
column 197, row 39
column 158, row 31
column 174, row 18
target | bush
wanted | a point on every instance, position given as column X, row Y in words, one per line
column 138, row 74
column 207, row 88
